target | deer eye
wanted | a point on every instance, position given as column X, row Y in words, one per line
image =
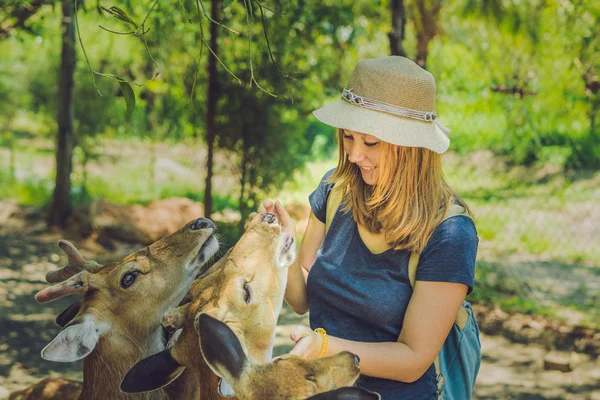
column 247, row 295
column 128, row 279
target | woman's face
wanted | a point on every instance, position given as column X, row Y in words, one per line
column 363, row 150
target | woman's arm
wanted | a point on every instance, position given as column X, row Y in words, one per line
column 431, row 312
column 295, row 291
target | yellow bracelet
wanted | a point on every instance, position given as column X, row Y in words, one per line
column 323, row 334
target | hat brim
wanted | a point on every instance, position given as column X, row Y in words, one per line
column 389, row 128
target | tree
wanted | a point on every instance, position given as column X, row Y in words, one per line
column 426, row 20
column 15, row 15
column 61, row 197
column 397, row 33
column 211, row 107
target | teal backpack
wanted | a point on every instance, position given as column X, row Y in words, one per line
column 458, row 362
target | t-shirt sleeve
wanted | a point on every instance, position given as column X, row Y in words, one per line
column 450, row 254
column 318, row 198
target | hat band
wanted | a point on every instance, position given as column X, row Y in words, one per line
column 352, row 98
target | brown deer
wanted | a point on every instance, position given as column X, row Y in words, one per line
column 117, row 322
column 244, row 289
column 285, row 378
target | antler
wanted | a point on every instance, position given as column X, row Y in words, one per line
column 175, row 318
column 76, row 284
column 75, row 265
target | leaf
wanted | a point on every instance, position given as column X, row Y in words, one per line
column 119, row 14
column 227, row 3
column 128, row 95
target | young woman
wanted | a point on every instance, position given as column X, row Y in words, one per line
column 393, row 192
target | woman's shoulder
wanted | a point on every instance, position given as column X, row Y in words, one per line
column 328, row 175
column 318, row 198
column 324, row 185
column 450, row 253
column 453, row 233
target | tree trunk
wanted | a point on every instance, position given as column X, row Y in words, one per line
column 61, row 200
column 397, row 33
column 426, row 24
column 211, row 109
column 244, row 212
column 422, row 49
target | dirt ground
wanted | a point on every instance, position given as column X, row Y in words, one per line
column 27, row 250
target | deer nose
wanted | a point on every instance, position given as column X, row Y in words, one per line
column 269, row 218
column 202, row 223
column 356, row 360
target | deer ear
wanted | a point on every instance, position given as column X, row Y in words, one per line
column 68, row 314
column 75, row 341
column 221, row 348
column 347, row 393
column 152, row 373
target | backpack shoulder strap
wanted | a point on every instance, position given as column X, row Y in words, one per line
column 333, row 203
column 463, row 315
column 413, row 262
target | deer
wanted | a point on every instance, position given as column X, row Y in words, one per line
column 244, row 289
column 118, row 321
column 287, row 377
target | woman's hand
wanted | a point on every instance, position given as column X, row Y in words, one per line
column 308, row 342
column 287, row 223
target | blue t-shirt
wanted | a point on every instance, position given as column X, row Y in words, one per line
column 357, row 295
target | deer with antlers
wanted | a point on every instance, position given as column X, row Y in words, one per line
column 117, row 322
column 244, row 289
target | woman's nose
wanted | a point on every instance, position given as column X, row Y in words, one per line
column 355, row 153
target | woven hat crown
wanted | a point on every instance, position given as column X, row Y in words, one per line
column 394, row 80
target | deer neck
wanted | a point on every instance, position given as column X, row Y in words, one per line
column 115, row 354
column 208, row 382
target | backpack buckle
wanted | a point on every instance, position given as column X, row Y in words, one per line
column 440, row 385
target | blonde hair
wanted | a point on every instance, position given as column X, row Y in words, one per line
column 409, row 199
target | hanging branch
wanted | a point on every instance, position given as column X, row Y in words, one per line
column 141, row 31
column 252, row 79
column 271, row 56
column 202, row 42
column 201, row 9
column 216, row 22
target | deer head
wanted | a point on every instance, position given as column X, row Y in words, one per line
column 245, row 289
column 127, row 299
column 286, row 378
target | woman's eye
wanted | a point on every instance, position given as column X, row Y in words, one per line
column 348, row 137
column 247, row 296
column 128, row 279
column 371, row 144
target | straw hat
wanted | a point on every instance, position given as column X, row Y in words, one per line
column 393, row 99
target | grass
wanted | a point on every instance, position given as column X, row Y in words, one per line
column 538, row 228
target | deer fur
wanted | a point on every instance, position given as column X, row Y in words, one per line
column 244, row 289
column 285, row 378
column 117, row 322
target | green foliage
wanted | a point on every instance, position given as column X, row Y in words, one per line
column 538, row 94
column 31, row 191
column 128, row 95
